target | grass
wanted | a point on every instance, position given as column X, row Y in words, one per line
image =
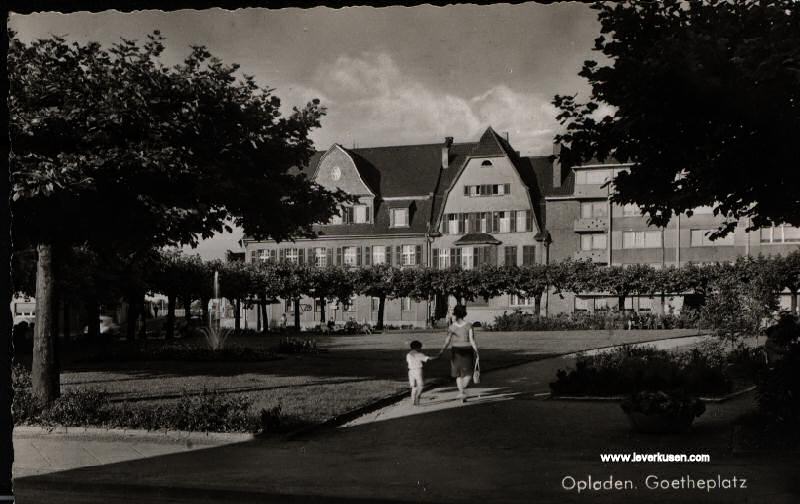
column 354, row 371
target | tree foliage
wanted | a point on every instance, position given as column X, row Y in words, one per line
column 704, row 101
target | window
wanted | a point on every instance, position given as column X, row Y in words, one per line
column 444, row 258
column 699, row 238
column 320, row 257
column 524, row 221
column 780, row 234
column 452, row 223
column 398, row 217
column 361, row 214
column 516, row 300
column 528, row 255
column 593, row 241
column 350, row 258
column 641, row 239
column 703, row 210
column 505, row 222
column 379, row 254
column 467, row 254
column 631, row 210
column 645, row 303
column 487, row 190
column 510, row 253
column 594, row 209
column 409, row 255
column 293, row 255
column 266, row 255
column 374, row 304
column 405, row 304
column 582, row 304
column 595, row 177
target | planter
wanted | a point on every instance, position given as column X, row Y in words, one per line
column 659, row 423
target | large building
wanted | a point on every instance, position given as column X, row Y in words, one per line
column 480, row 203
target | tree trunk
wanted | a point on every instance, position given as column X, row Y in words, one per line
column 236, row 315
column 537, row 304
column 144, row 313
column 381, row 307
column 297, row 314
column 93, row 324
column 794, row 302
column 204, row 307
column 130, row 321
column 170, row 329
column 258, row 314
column 44, row 373
column 6, row 391
column 187, row 307
column 621, row 303
column 322, row 310
column 67, row 329
column 264, row 321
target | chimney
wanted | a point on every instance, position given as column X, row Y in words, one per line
column 557, row 165
column 448, row 141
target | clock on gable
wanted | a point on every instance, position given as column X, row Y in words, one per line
column 336, row 173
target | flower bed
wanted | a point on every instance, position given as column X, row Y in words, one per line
column 627, row 370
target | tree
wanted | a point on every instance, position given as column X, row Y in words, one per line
column 114, row 149
column 624, row 281
column 705, row 103
column 531, row 281
column 235, row 284
column 376, row 281
column 789, row 275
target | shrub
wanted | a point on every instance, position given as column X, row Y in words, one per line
column 183, row 352
column 598, row 320
column 291, row 345
column 778, row 386
column 627, row 370
column 24, row 407
column 673, row 404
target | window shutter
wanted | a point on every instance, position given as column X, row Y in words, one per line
column 391, row 217
column 461, row 223
column 452, row 257
column 458, row 256
column 329, row 254
column 282, row 254
column 399, row 255
column 338, row 256
column 507, row 188
column 418, row 259
column 495, row 222
column 367, row 255
column 443, row 225
column 475, row 257
column 301, row 255
column 388, row 251
column 368, row 211
column 493, row 256
column 252, row 256
column 466, row 190
column 528, row 220
column 435, row 258
column 513, row 221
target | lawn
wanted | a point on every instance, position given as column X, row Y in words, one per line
column 351, row 371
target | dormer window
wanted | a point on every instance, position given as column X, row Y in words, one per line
column 398, row 217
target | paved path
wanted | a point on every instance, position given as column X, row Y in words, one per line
column 506, row 444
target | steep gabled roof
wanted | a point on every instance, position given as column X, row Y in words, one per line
column 490, row 144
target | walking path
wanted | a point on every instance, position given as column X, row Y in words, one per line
column 506, row 444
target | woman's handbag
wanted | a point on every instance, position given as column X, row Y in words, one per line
column 476, row 373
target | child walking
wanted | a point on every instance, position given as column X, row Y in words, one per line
column 415, row 359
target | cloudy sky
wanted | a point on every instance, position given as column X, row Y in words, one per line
column 387, row 76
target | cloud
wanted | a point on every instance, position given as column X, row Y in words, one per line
column 371, row 101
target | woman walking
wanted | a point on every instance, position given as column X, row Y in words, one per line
column 464, row 350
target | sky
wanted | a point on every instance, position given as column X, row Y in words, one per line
column 387, row 76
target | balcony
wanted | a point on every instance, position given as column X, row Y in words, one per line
column 596, row 256
column 591, row 225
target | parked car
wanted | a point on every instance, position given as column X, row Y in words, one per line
column 107, row 326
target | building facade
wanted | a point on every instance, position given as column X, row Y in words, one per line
column 480, row 202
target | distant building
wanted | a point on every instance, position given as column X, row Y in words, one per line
column 480, row 203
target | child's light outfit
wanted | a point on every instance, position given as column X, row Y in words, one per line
column 415, row 360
